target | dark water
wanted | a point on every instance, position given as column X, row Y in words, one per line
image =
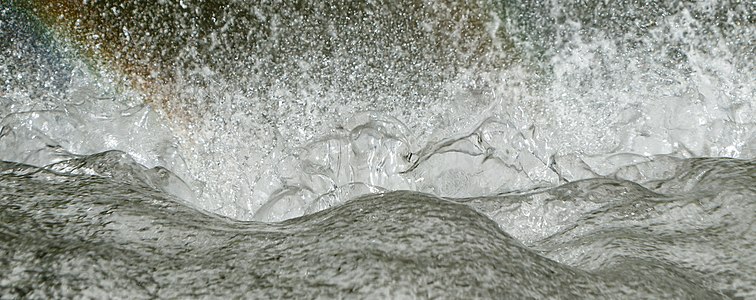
column 101, row 236
column 378, row 149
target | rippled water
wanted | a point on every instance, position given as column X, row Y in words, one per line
column 515, row 149
column 86, row 234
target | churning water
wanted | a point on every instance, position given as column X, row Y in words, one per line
column 385, row 149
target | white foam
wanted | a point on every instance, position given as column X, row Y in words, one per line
column 592, row 103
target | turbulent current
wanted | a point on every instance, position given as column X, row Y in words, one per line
column 378, row 149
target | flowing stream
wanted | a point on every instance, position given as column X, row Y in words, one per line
column 378, row 149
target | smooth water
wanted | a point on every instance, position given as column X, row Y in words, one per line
column 510, row 149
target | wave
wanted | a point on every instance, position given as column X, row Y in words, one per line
column 593, row 149
column 91, row 232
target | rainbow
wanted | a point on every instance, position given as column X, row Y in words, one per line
column 155, row 47
column 112, row 36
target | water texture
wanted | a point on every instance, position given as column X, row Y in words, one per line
column 378, row 149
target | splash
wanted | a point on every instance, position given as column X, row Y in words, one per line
column 612, row 144
column 274, row 111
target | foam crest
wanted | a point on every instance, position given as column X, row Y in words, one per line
column 368, row 155
column 272, row 111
